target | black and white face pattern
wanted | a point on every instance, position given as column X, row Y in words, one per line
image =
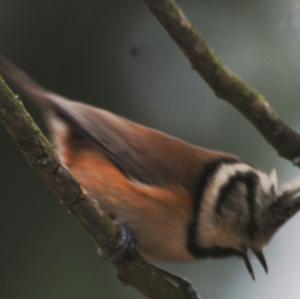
column 232, row 206
column 236, row 208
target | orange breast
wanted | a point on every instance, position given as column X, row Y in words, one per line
column 157, row 216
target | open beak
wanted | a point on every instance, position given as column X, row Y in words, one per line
column 261, row 258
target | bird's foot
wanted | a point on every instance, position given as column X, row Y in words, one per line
column 125, row 244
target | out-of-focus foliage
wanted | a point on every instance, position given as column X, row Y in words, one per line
column 115, row 55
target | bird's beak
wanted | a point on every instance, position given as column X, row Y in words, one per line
column 261, row 258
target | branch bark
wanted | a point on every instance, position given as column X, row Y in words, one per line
column 40, row 154
column 226, row 85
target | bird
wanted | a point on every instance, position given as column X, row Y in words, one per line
column 180, row 202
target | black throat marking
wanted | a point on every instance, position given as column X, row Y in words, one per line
column 193, row 245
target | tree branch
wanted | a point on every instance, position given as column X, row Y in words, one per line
column 40, row 154
column 224, row 82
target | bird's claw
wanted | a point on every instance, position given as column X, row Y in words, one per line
column 125, row 244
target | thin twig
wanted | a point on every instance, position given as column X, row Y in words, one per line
column 224, row 82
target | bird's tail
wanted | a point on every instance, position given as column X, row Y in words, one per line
column 23, row 84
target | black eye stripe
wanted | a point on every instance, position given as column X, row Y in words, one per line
column 225, row 191
column 251, row 182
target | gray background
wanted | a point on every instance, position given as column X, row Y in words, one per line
column 115, row 54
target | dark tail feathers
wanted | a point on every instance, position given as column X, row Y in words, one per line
column 22, row 83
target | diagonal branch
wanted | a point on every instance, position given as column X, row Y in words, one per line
column 224, row 82
column 134, row 270
column 40, row 154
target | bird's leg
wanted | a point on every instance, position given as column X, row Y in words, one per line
column 125, row 243
column 181, row 282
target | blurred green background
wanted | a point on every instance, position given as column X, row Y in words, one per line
column 115, row 54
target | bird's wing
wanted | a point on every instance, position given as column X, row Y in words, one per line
column 141, row 153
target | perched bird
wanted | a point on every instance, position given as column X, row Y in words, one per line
column 181, row 202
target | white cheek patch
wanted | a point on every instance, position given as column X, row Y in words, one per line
column 292, row 188
column 222, row 176
column 268, row 182
column 274, row 179
column 210, row 232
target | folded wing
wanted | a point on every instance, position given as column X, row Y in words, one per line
column 141, row 153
